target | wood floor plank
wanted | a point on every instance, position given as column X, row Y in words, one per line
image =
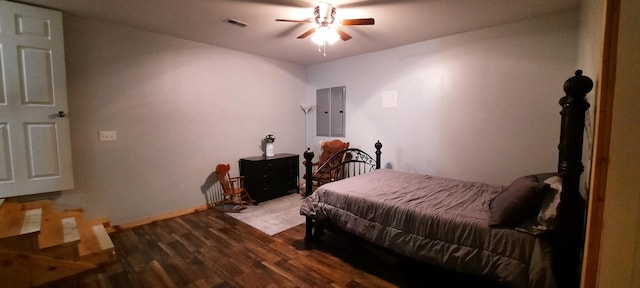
column 302, row 277
column 162, row 274
column 149, row 278
column 211, row 249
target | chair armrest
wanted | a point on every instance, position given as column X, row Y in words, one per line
column 238, row 179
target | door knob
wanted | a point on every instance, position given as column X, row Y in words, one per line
column 61, row 114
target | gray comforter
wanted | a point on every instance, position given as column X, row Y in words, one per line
column 436, row 220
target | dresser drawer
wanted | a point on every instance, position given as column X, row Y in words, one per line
column 273, row 188
column 277, row 175
column 268, row 178
column 275, row 164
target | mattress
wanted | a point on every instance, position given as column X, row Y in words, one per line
column 436, row 220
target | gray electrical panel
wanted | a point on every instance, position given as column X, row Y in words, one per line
column 331, row 104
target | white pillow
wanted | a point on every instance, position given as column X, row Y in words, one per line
column 549, row 207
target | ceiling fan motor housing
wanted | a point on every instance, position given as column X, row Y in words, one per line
column 325, row 14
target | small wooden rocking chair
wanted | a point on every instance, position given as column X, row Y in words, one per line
column 233, row 189
column 329, row 148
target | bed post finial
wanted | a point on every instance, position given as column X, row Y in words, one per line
column 578, row 84
column 308, row 165
column 574, row 105
column 571, row 208
column 378, row 146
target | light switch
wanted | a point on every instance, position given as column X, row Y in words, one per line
column 108, row 135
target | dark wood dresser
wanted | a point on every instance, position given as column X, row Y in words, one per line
column 270, row 177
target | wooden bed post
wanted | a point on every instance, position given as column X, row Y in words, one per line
column 315, row 229
column 378, row 146
column 570, row 237
column 308, row 165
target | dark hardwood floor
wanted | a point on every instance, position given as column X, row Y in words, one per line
column 211, row 249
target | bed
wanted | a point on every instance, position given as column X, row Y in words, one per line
column 525, row 234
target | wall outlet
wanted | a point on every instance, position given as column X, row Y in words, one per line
column 108, row 135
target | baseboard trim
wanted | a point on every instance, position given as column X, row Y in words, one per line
column 156, row 218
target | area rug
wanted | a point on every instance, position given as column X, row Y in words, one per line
column 273, row 216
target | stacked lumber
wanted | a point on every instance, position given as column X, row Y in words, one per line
column 39, row 245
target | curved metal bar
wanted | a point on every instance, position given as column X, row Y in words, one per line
column 346, row 163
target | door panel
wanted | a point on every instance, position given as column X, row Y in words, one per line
column 42, row 150
column 35, row 147
column 337, row 111
column 6, row 167
column 331, row 111
column 36, row 75
column 3, row 97
column 33, row 26
column 323, row 102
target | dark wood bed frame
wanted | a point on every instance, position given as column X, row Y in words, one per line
column 567, row 240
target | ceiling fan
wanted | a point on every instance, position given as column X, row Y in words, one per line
column 325, row 24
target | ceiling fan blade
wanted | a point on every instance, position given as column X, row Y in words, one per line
column 361, row 21
column 290, row 3
column 296, row 21
column 305, row 34
column 344, row 36
column 369, row 3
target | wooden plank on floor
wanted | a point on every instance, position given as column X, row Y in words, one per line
column 166, row 280
column 211, row 249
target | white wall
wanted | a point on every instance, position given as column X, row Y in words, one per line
column 590, row 60
column 179, row 108
column 481, row 105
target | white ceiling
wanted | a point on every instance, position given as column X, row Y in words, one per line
column 397, row 22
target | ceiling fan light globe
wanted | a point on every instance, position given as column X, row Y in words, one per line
column 317, row 38
column 325, row 35
column 332, row 36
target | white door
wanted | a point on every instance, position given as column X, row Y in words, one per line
column 35, row 150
